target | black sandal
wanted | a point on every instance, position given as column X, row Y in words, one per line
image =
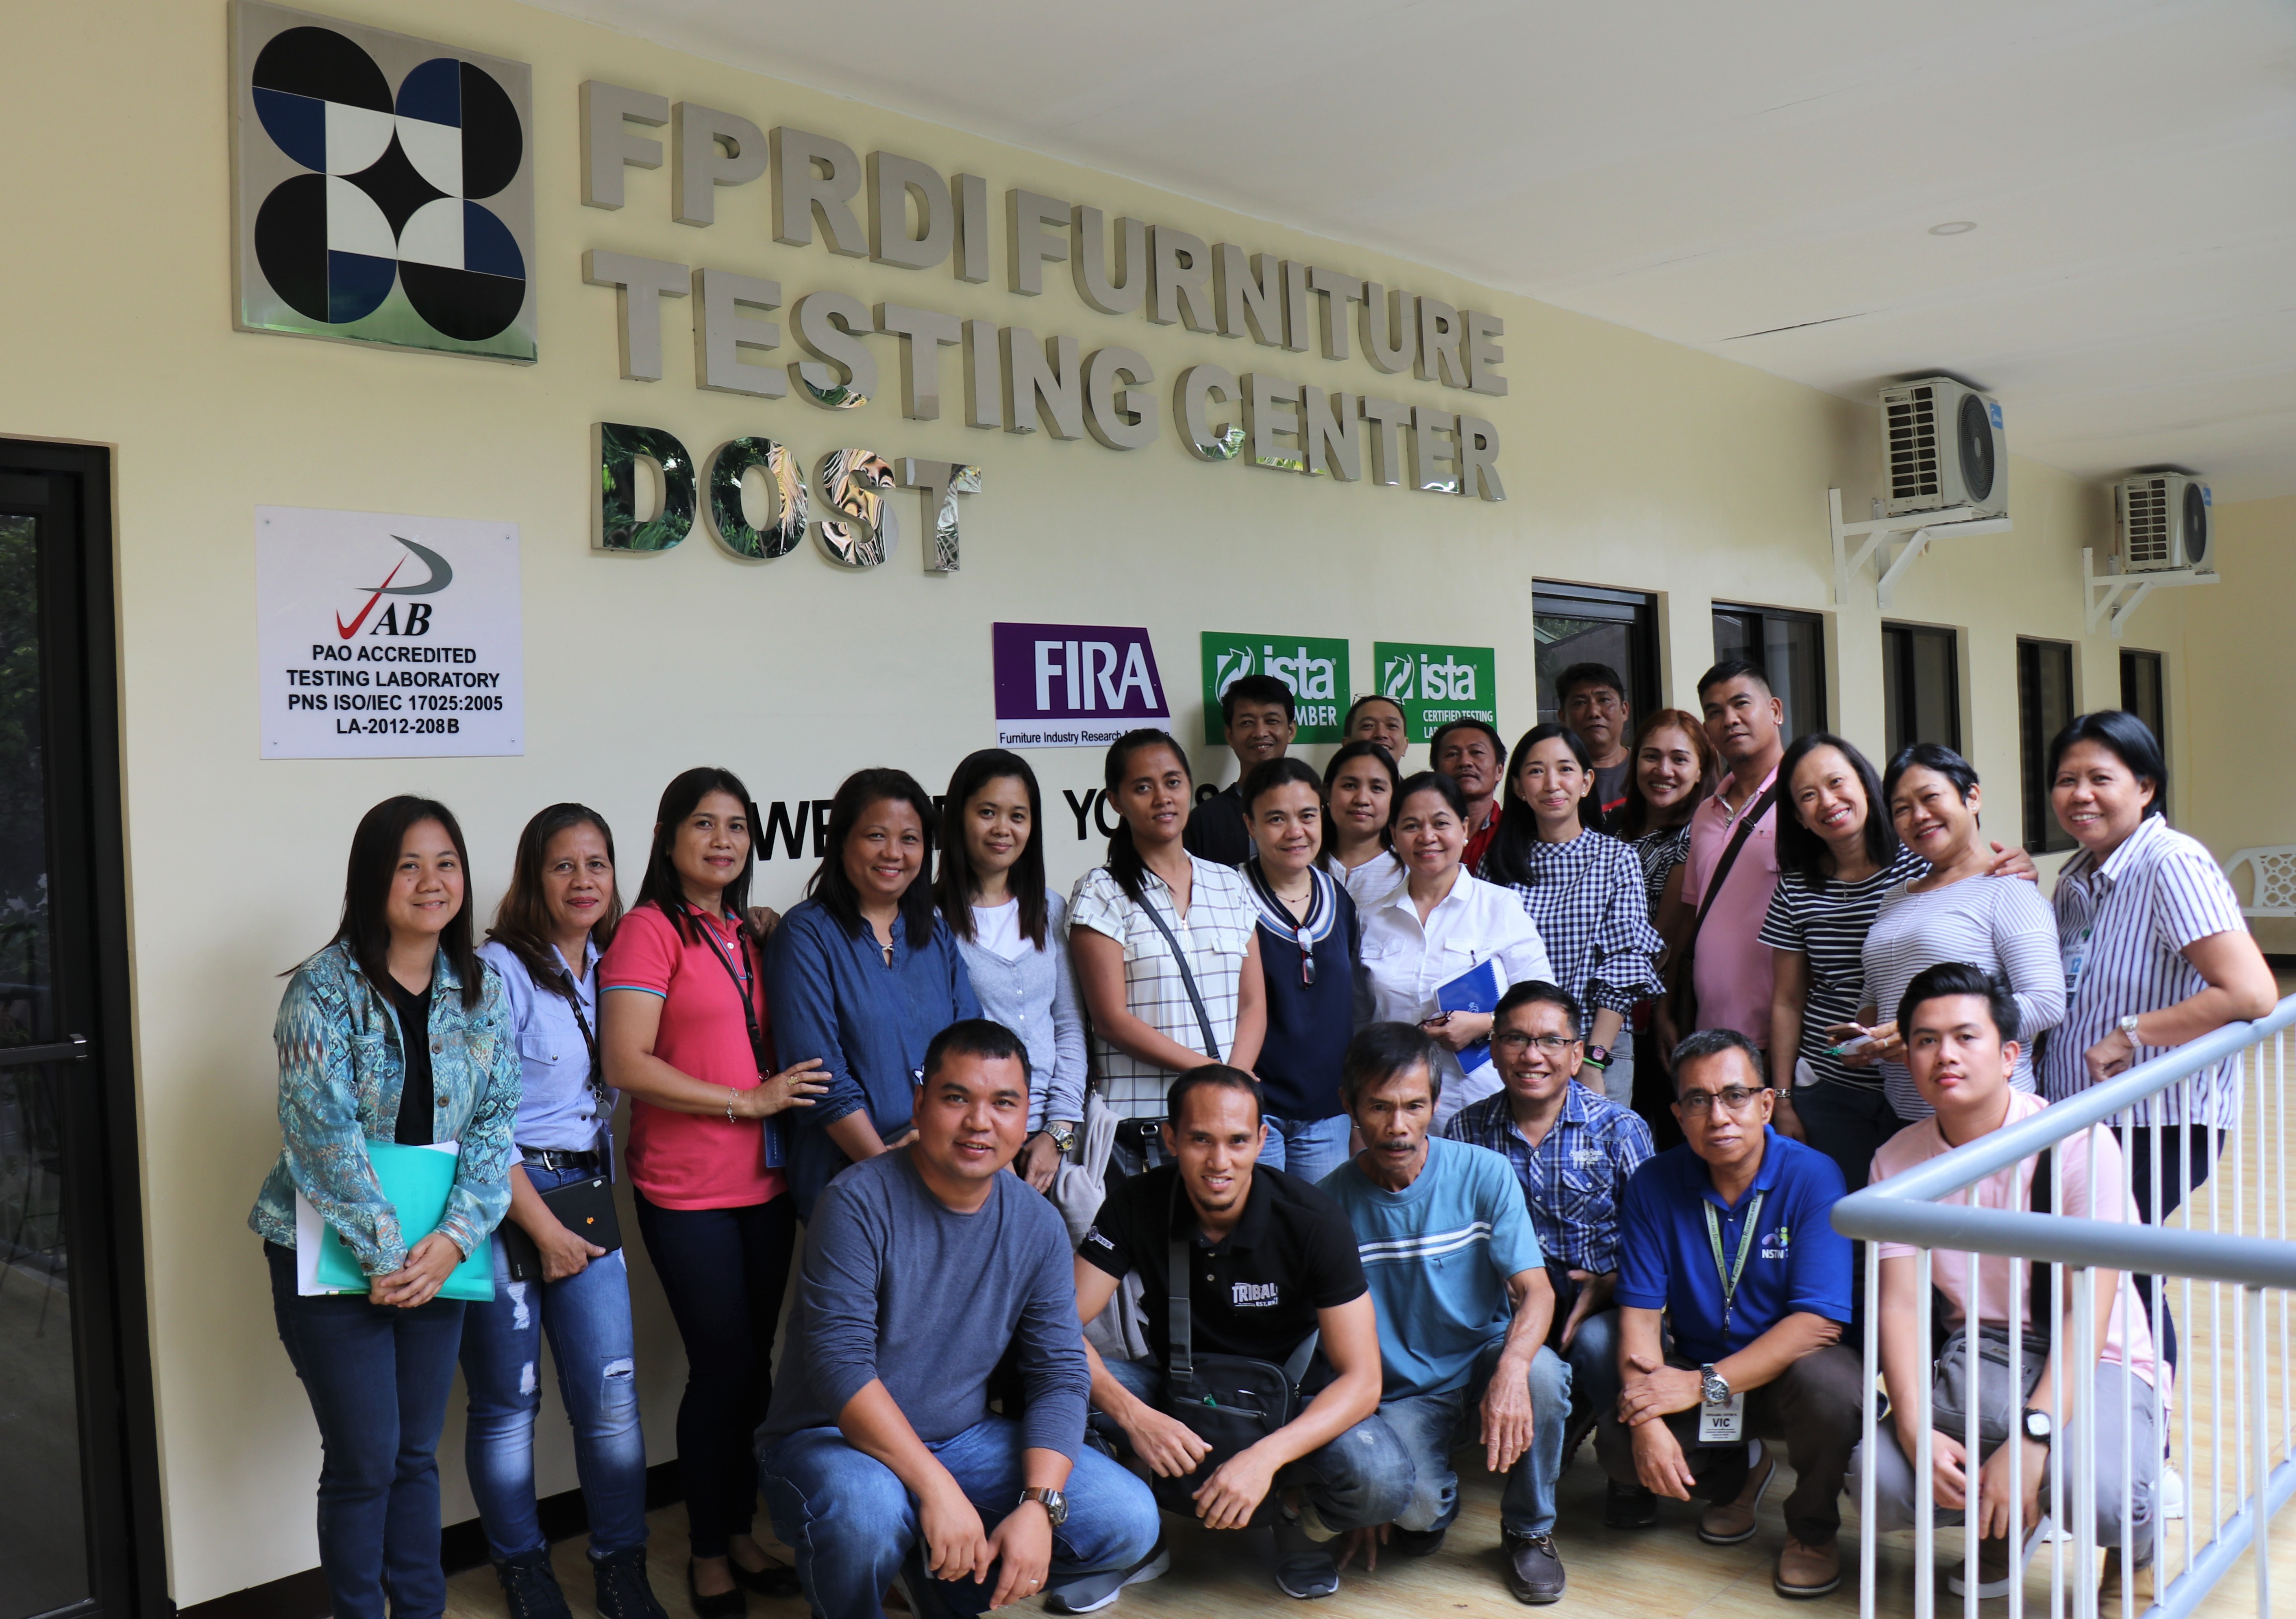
column 725, row 1605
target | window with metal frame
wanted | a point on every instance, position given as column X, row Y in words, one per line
column 1788, row 647
column 1574, row 623
column 2145, row 692
column 2044, row 706
column 1921, row 685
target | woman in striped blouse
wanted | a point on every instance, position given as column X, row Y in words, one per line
column 2156, row 954
column 1583, row 891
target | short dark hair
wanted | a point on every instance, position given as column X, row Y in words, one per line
column 1381, row 1051
column 1588, row 675
column 1539, row 992
column 1960, row 978
column 1211, row 1076
column 1711, row 1042
column 1269, row 775
column 1730, row 669
column 1929, row 756
column 1258, row 688
column 1435, row 743
column 2122, row 734
column 1426, row 781
column 974, row 1037
column 1802, row 851
column 1355, row 707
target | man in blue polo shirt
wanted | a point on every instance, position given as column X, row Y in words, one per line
column 1730, row 1235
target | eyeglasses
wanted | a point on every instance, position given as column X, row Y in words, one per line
column 1514, row 1043
column 1732, row 1099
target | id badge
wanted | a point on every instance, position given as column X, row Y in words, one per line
column 1722, row 1424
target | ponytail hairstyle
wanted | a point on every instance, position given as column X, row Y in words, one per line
column 522, row 919
column 835, row 889
column 661, row 886
column 1124, row 862
column 955, row 885
column 367, row 877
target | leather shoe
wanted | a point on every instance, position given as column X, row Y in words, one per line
column 1414, row 1542
column 725, row 1605
column 1629, row 1507
column 1806, row 1571
column 1534, row 1568
column 1727, row 1523
column 773, row 1580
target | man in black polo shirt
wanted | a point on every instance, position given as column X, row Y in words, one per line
column 1261, row 717
column 1272, row 1259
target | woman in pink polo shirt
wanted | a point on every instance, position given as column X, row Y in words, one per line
column 683, row 1029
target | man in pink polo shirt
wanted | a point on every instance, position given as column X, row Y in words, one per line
column 1731, row 969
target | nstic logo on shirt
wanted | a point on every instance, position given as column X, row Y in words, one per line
column 1775, row 1243
column 1251, row 1295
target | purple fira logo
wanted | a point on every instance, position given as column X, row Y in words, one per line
column 1074, row 685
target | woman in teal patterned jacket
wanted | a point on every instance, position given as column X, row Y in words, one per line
column 378, row 1366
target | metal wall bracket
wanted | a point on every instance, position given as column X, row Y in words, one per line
column 1910, row 535
column 2110, row 597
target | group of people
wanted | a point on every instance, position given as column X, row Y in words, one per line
column 1352, row 1118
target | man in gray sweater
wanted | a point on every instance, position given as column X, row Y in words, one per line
column 880, row 1456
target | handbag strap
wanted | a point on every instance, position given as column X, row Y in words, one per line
column 1755, row 810
column 1187, row 979
column 1180, row 1325
column 2038, row 1323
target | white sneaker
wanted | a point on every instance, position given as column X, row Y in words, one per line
column 2169, row 1492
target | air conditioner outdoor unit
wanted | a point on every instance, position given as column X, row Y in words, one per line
column 2165, row 519
column 1942, row 447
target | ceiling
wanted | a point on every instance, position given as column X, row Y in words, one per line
column 1759, row 181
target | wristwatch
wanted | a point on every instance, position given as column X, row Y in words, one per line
column 1713, row 1385
column 2128, row 1026
column 2038, row 1426
column 1063, row 1134
column 1055, row 1503
column 1599, row 1055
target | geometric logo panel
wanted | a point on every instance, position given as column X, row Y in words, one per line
column 385, row 187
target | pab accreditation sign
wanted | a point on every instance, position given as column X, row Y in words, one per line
column 384, row 636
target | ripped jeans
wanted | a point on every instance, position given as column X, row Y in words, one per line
column 587, row 1317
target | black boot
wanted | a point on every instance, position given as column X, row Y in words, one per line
column 623, row 1590
column 529, row 1588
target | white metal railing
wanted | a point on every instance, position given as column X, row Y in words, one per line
column 2229, row 1416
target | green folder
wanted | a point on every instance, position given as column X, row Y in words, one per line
column 418, row 1182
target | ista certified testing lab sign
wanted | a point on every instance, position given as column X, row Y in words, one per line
column 385, row 637
column 1316, row 668
column 1437, row 684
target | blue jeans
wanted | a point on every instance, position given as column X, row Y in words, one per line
column 1593, row 1360
column 378, row 1380
column 723, row 1270
column 854, row 1525
column 587, row 1316
column 1361, row 1479
column 1431, row 1426
column 1309, row 1147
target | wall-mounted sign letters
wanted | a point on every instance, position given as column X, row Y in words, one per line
column 1074, row 685
column 1316, row 668
column 387, row 637
column 385, row 186
column 1437, row 684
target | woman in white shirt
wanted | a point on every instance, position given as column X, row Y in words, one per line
column 1009, row 930
column 1440, row 923
column 1360, row 785
column 1143, row 929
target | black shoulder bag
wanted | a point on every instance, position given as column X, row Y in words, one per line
column 1230, row 1402
column 1981, row 1371
column 1682, row 1000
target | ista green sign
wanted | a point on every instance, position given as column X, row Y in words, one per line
column 1437, row 684
column 1315, row 666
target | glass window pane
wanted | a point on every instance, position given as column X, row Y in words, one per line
column 2044, row 706
column 1581, row 624
column 1789, row 649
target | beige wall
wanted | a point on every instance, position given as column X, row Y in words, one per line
column 2240, row 667
column 1629, row 462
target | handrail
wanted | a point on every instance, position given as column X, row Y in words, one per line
column 1907, row 1207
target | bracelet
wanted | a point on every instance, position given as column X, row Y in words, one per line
column 732, row 1096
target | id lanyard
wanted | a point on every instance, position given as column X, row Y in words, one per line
column 590, row 1040
column 1731, row 1272
column 741, row 978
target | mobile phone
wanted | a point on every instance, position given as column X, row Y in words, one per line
column 1849, row 1048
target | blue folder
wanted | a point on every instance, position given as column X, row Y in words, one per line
column 418, row 1182
column 1475, row 990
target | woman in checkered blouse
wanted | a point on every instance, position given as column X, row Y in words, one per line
column 1582, row 890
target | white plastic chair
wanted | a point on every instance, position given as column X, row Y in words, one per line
column 2273, row 873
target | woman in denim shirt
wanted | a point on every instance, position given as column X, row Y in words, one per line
column 377, row 1369
column 862, row 974
column 560, row 909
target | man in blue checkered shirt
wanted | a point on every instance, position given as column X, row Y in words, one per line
column 1574, row 1151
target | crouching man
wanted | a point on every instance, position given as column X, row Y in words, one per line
column 879, row 1458
column 1959, row 1024
column 1464, row 1304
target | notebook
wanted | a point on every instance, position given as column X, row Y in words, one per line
column 1475, row 990
column 418, row 1182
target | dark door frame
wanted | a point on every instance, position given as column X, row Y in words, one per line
column 119, row 1446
